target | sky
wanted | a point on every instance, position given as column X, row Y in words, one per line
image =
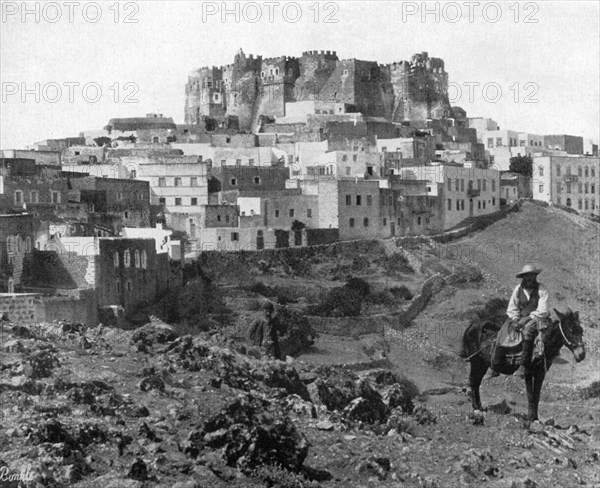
column 72, row 66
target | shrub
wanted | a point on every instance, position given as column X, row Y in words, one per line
column 202, row 304
column 276, row 476
column 395, row 264
column 401, row 292
column 298, row 336
column 262, row 289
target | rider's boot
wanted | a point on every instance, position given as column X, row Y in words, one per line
column 525, row 358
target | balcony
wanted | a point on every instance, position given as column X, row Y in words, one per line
column 571, row 178
column 472, row 192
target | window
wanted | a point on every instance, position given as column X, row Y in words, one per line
column 162, row 182
column 462, row 204
column 193, row 181
column 119, row 196
column 541, row 168
column 348, row 199
column 18, row 197
column 558, row 188
column 251, row 161
column 235, row 236
column 369, row 200
column 490, row 142
column 127, row 258
column 276, row 214
column 116, row 259
column 137, row 258
column 34, row 196
column 593, row 188
column 418, row 220
column 128, row 285
column 586, row 188
column 118, row 286
column 178, row 201
column 593, row 204
column 558, row 201
column 462, row 184
column 223, row 162
column 498, row 141
column 162, row 201
column 479, row 204
column 355, row 148
column 291, row 212
column 568, row 202
column 347, row 170
column 456, row 185
column 194, row 201
column 593, row 172
column 493, row 185
column 558, row 171
column 484, row 204
column 384, row 222
column 587, row 173
column 177, row 182
column 580, row 187
column 355, row 157
column 126, row 214
column 345, row 72
column 449, row 204
column 358, row 200
column 384, row 149
column 586, row 203
column 568, row 170
column 494, row 201
column 257, row 180
column 366, row 222
column 55, row 197
column 457, row 204
column 478, row 184
column 218, row 218
column 579, row 204
column 227, row 218
column 568, row 187
column 449, row 184
column 541, row 189
column 309, row 213
column 144, row 259
column 351, row 223
column 233, row 181
column 238, row 162
column 579, row 171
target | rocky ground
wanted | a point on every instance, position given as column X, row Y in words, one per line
column 158, row 407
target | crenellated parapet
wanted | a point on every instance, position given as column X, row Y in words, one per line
column 252, row 86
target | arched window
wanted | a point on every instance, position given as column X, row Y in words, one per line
column 568, row 202
column 593, row 172
column 579, row 204
column 593, row 188
column 593, row 204
column 127, row 258
column 586, row 187
column 586, row 204
column 137, row 258
column 579, row 171
column 587, row 172
column 579, row 187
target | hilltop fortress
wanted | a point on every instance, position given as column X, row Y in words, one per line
column 253, row 86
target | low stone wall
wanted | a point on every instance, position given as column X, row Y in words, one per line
column 19, row 307
column 349, row 326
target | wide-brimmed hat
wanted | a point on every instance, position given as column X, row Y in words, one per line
column 529, row 269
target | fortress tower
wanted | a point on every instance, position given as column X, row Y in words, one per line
column 252, row 86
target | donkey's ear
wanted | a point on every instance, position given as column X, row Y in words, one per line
column 558, row 314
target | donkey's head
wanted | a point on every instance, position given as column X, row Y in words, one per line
column 571, row 333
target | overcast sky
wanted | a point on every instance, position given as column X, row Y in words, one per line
column 543, row 56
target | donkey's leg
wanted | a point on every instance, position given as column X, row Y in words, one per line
column 478, row 369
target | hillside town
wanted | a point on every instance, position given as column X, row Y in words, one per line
column 274, row 153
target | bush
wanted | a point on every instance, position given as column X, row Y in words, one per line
column 276, row 476
column 298, row 334
column 395, row 264
column 262, row 289
column 202, row 304
column 401, row 292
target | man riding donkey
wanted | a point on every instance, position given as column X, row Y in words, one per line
column 528, row 312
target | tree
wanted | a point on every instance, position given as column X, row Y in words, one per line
column 102, row 141
column 522, row 165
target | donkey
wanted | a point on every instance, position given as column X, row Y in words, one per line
column 480, row 335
